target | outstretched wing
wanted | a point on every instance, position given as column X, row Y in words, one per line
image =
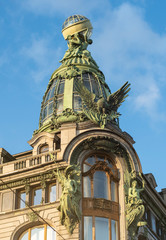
column 115, row 99
column 86, row 96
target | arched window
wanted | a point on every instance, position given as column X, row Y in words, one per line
column 42, row 232
column 100, row 198
column 44, row 148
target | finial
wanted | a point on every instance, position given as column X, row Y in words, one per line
column 77, row 24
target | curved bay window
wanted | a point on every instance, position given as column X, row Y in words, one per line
column 100, row 198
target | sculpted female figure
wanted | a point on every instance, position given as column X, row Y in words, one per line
column 69, row 201
column 134, row 204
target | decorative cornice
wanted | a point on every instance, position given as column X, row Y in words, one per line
column 27, row 181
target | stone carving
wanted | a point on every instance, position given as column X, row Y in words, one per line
column 43, row 181
column 77, row 50
column 69, row 206
column 103, row 110
column 27, row 185
column 100, row 143
column 32, row 217
column 134, row 204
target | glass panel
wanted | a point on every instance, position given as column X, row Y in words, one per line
column 109, row 163
column 44, row 149
column 114, row 230
column 25, row 237
column 53, row 193
column 51, row 234
column 50, row 108
column 95, row 88
column 87, row 228
column 99, row 158
column 23, row 197
column 87, row 186
column 47, row 97
column 87, row 84
column 59, row 105
column 101, row 228
column 52, row 92
column 86, row 167
column 37, row 196
column 113, row 191
column 44, row 112
column 104, row 94
column 100, row 183
column 153, row 221
column 91, row 160
column 37, row 233
column 77, row 103
column 61, row 87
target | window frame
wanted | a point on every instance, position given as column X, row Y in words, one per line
column 33, row 227
column 101, row 211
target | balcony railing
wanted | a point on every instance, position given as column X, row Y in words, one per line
column 28, row 162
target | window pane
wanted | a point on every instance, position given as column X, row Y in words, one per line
column 23, row 197
column 153, row 221
column 109, row 163
column 87, row 228
column 101, row 228
column 53, row 193
column 87, row 84
column 25, row 237
column 99, row 158
column 50, row 108
column 44, row 149
column 37, row 196
column 77, row 103
column 95, row 88
column 114, row 230
column 91, row 160
column 51, row 234
column 86, row 167
column 52, row 92
column 59, row 105
column 61, row 87
column 37, row 233
column 100, row 183
column 113, row 191
column 87, row 187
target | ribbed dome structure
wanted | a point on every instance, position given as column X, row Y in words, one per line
column 77, row 90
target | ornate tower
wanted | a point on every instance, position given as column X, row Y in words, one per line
column 83, row 178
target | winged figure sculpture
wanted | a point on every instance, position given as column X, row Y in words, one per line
column 101, row 110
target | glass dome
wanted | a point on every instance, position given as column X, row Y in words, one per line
column 62, row 94
column 73, row 19
column 55, row 91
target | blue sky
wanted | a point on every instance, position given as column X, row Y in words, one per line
column 129, row 44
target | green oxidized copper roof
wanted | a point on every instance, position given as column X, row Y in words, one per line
column 76, row 90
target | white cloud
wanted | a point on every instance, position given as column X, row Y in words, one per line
column 129, row 50
column 64, row 7
column 44, row 59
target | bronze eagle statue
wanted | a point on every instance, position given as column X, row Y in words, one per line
column 103, row 109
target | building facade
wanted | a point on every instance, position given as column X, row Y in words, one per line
column 83, row 178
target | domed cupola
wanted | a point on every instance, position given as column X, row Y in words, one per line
column 77, row 90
